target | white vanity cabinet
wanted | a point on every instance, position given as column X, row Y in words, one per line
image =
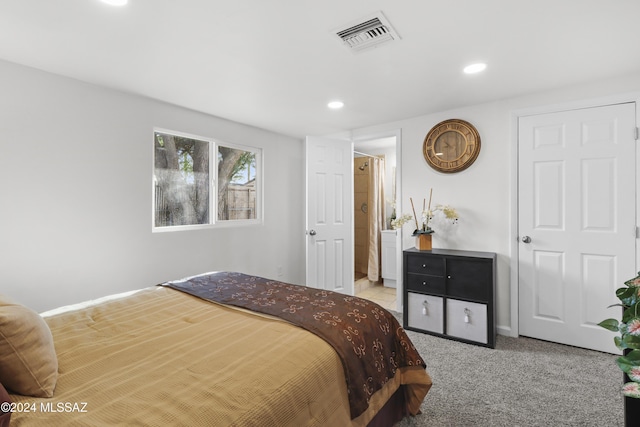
column 389, row 254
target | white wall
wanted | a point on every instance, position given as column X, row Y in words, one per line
column 75, row 205
column 482, row 194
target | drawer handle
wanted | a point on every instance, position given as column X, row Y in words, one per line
column 467, row 315
column 424, row 307
column 424, row 283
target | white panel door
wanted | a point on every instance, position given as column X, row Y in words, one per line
column 329, row 229
column 576, row 196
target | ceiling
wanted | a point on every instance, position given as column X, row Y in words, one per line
column 275, row 64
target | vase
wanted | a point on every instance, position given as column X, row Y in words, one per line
column 423, row 241
column 631, row 404
column 631, row 411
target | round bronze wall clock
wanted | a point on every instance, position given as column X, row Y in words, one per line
column 451, row 146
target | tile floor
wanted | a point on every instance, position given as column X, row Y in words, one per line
column 376, row 292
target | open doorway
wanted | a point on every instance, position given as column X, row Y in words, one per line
column 375, row 187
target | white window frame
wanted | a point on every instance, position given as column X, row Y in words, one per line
column 214, row 143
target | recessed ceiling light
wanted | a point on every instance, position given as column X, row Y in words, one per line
column 475, row 68
column 115, row 2
column 335, row 105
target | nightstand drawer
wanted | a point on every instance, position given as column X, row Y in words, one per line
column 425, row 265
column 467, row 320
column 425, row 312
column 425, row 283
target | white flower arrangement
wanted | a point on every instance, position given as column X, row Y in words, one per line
column 400, row 221
column 444, row 219
column 440, row 219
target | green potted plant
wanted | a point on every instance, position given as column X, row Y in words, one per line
column 628, row 340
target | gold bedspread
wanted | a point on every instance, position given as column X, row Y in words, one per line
column 161, row 357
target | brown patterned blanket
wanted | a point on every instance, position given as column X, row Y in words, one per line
column 369, row 340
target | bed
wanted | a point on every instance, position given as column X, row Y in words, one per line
column 209, row 350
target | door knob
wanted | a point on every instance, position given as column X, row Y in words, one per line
column 312, row 232
column 526, row 239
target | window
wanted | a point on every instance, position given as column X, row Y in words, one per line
column 188, row 193
column 236, row 184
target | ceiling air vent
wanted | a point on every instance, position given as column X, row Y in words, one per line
column 367, row 33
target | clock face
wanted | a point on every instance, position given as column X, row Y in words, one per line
column 451, row 146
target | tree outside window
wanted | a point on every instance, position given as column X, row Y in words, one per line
column 183, row 190
column 236, row 184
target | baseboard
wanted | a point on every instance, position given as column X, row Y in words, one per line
column 504, row 330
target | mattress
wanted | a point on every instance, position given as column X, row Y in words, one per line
column 162, row 357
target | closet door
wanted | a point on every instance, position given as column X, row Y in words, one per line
column 577, row 231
